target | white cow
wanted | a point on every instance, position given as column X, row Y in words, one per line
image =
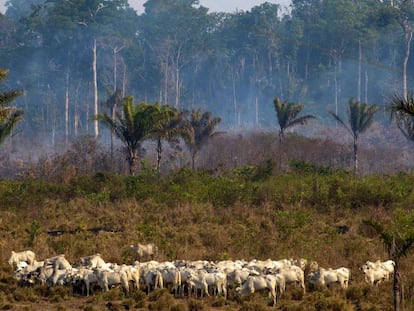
column 16, row 257
column 107, row 279
column 144, row 250
column 60, row 277
column 388, row 265
column 326, row 277
column 293, row 274
column 237, row 277
column 186, row 274
column 216, row 280
column 228, row 265
column 171, row 276
column 197, row 282
column 260, row 265
column 133, row 274
column 58, row 263
column 258, row 283
column 375, row 275
column 274, row 265
column 153, row 279
column 87, row 277
column 44, row 274
column 93, row 261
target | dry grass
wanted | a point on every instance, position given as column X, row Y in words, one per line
column 243, row 214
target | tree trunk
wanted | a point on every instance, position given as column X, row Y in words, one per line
column 355, row 155
column 408, row 35
column 177, row 87
column 159, row 153
column 336, row 85
column 366, row 86
column 257, row 111
column 396, row 287
column 132, row 160
column 67, row 109
column 359, row 71
column 166, row 68
column 124, row 79
column 193, row 155
column 95, row 89
column 233, row 75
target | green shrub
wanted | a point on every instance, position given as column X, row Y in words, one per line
column 302, row 167
column 224, row 192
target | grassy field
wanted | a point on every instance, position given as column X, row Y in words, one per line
column 251, row 212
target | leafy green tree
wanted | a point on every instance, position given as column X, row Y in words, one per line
column 398, row 239
column 360, row 118
column 287, row 116
column 132, row 127
column 20, row 8
column 198, row 128
column 9, row 115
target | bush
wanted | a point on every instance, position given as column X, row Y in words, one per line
column 178, row 307
column 252, row 306
column 224, row 192
column 161, row 300
column 195, row 305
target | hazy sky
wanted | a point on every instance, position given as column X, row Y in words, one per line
column 213, row 5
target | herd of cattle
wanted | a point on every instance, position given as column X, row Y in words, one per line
column 197, row 278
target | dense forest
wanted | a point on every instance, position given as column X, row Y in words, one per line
column 69, row 57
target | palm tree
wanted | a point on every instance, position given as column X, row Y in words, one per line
column 132, row 126
column 360, row 117
column 287, row 116
column 402, row 112
column 166, row 126
column 197, row 130
column 398, row 239
column 9, row 116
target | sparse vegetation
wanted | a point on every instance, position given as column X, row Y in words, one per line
column 72, row 203
column 312, row 212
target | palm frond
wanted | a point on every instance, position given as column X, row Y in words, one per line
column 399, row 104
column 339, row 120
column 300, row 121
